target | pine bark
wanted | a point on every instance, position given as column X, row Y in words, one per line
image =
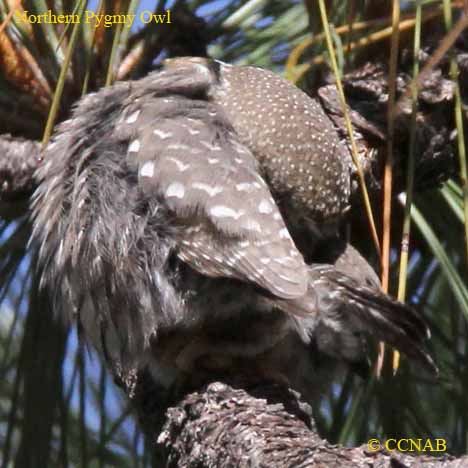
column 243, row 424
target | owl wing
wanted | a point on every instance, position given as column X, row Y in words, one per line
column 188, row 155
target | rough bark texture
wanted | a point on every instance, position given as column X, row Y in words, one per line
column 18, row 160
column 436, row 141
column 248, row 424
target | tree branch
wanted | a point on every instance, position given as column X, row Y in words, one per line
column 18, row 160
column 436, row 144
column 243, row 423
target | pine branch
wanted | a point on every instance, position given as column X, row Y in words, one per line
column 243, row 423
column 18, row 160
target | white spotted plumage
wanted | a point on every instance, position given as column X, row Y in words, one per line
column 147, row 169
column 133, row 117
column 265, row 207
column 202, row 170
column 162, row 135
column 173, row 180
column 223, row 211
column 175, row 189
column 211, row 190
column 134, row 146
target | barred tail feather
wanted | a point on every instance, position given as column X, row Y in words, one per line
column 341, row 311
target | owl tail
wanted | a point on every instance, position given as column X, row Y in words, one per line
column 342, row 308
